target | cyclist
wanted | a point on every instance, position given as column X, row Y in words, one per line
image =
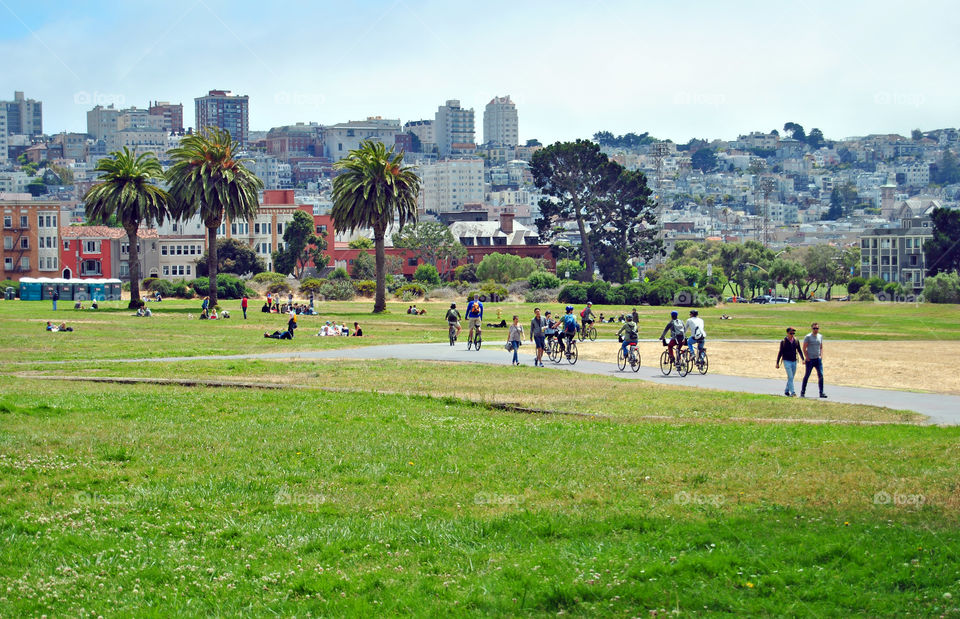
column 628, row 335
column 474, row 318
column 569, row 326
column 676, row 329
column 698, row 333
column 586, row 316
column 453, row 319
column 550, row 331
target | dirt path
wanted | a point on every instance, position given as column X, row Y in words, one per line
column 907, row 366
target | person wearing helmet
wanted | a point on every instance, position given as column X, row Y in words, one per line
column 474, row 318
column 676, row 329
column 628, row 335
column 453, row 319
column 586, row 316
column 570, row 325
column 698, row 334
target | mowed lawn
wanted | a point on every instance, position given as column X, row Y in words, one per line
column 114, row 332
column 164, row 500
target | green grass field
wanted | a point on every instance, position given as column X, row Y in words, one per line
column 406, row 488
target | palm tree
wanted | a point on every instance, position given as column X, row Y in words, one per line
column 371, row 190
column 126, row 189
column 208, row 177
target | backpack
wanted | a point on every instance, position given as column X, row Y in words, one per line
column 583, row 312
column 570, row 322
column 452, row 315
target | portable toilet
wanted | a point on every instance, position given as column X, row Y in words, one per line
column 80, row 290
column 97, row 289
column 29, row 289
column 116, row 289
column 66, row 290
column 47, row 288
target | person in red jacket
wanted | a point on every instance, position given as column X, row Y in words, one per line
column 243, row 306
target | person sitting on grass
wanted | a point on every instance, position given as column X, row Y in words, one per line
column 63, row 327
column 78, row 306
column 213, row 314
column 357, row 331
column 94, row 305
column 224, row 314
column 265, row 309
column 50, row 326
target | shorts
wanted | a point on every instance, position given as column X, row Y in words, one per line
column 453, row 324
column 538, row 340
column 473, row 323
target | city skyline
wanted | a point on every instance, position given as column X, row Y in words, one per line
column 701, row 70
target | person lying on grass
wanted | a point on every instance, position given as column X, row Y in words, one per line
column 279, row 335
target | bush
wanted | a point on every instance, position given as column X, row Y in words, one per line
column 597, row 292
column 9, row 283
column 503, row 268
column 125, row 286
column 466, row 273
column 662, row 292
column 335, row 290
column 228, row 287
column 893, row 290
column 394, row 282
column 269, row 277
column 494, row 292
column 410, row 291
column 338, row 273
column 863, row 294
column 427, row 275
column 148, row 282
column 278, row 288
column 164, row 287
column 855, row 284
column 365, row 287
column 633, row 293
column 616, row 296
column 876, row 284
column 942, row 288
column 311, row 284
column 573, row 293
column 182, row 290
column 574, row 267
column 518, row 287
column 541, row 295
column 439, row 294
column 540, row 280
column 364, row 266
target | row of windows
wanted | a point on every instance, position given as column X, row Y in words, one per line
column 891, row 243
column 8, row 221
column 24, row 263
column 46, row 242
column 48, row 263
column 176, row 269
column 181, row 250
column 8, row 243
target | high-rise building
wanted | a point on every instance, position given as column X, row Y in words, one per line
column 500, row 126
column 341, row 138
column 222, row 109
column 3, row 134
column 172, row 115
column 423, row 129
column 24, row 116
column 453, row 129
column 449, row 184
column 102, row 122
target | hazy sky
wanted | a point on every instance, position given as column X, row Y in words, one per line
column 676, row 69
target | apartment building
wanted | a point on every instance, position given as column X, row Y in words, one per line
column 896, row 255
column 102, row 252
column 30, row 238
column 454, row 129
column 449, row 184
column 223, row 109
column 500, row 125
column 172, row 115
column 24, row 116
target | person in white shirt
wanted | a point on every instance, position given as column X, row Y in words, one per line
column 698, row 334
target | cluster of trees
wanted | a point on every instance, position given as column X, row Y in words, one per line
column 609, row 204
column 628, row 140
column 814, row 139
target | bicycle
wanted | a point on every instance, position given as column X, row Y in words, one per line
column 632, row 357
column 552, row 348
column 588, row 331
column 667, row 364
column 477, row 340
column 700, row 362
column 571, row 352
column 452, row 332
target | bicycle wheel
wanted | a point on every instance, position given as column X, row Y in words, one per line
column 621, row 360
column 683, row 364
column 592, row 333
column 572, row 353
column 581, row 334
column 666, row 363
column 635, row 359
column 478, row 341
column 553, row 351
column 703, row 365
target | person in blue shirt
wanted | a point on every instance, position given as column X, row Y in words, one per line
column 474, row 318
column 569, row 326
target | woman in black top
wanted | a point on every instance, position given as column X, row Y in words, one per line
column 789, row 352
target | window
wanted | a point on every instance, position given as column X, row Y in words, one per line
column 909, row 242
column 256, row 228
column 24, row 222
column 90, row 267
column 54, row 222
column 865, row 243
column 411, row 262
column 66, row 244
column 8, row 264
column 233, row 228
column 124, row 269
column 8, row 242
column 7, row 221
column 24, row 243
column 25, row 263
column 188, row 269
column 91, row 247
column 321, row 229
column 279, row 228
column 913, row 260
column 179, row 250
column 193, row 249
column 163, row 251
column 166, row 270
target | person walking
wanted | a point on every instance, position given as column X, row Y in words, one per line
column 515, row 338
column 243, row 306
column 55, row 297
column 292, row 324
column 789, row 350
column 813, row 353
column 537, row 327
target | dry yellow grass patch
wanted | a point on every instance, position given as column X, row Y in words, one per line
column 911, row 365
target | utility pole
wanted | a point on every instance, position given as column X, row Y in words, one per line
column 767, row 186
column 660, row 150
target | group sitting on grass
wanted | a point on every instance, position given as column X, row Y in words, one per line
column 78, row 305
column 60, row 327
column 333, row 329
column 416, row 312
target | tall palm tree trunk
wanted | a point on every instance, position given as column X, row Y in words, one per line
column 134, row 262
column 212, row 263
column 380, row 302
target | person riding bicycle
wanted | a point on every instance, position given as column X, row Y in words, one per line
column 453, row 318
column 628, row 335
column 474, row 318
column 698, row 333
column 569, row 326
column 586, row 316
column 550, row 330
column 676, row 329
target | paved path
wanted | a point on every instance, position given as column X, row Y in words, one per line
column 941, row 409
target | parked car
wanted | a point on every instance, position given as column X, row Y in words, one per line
column 780, row 300
column 819, row 300
column 764, row 298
